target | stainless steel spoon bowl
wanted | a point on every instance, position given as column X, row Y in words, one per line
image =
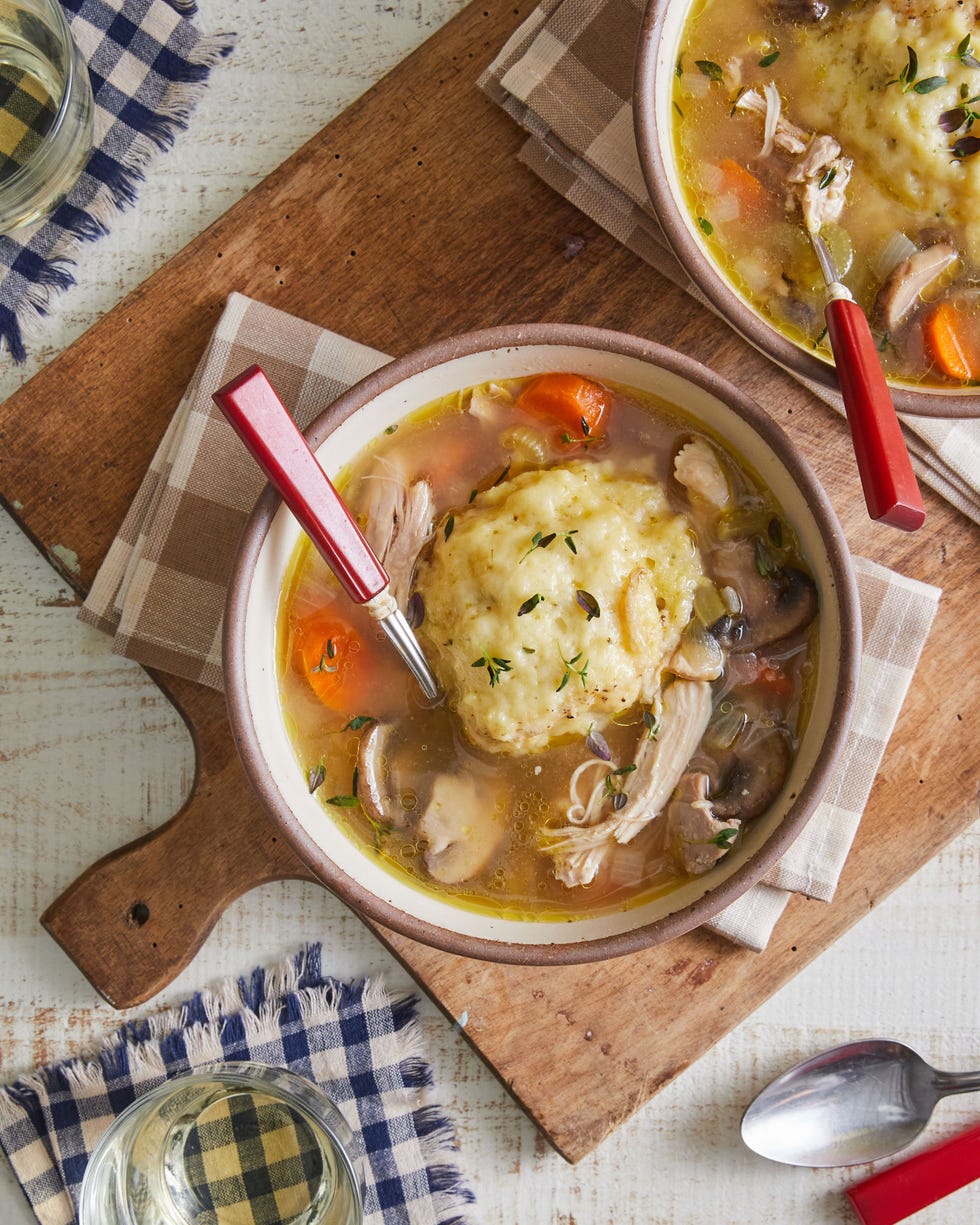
column 851, row 1104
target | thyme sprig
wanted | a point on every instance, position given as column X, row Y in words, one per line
column 541, row 541
column 614, row 786
column 329, row 652
column 494, row 666
column 571, row 670
column 964, row 53
column 908, row 77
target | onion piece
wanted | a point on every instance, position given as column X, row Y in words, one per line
column 897, row 248
column 725, row 208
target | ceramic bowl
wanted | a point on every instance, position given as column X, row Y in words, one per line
column 382, row 400
column 656, row 59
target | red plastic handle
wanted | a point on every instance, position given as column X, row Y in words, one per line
column 911, row 1185
column 262, row 422
column 890, row 488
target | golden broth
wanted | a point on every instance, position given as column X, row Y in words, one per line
column 463, row 454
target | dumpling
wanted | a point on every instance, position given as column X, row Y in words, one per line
column 554, row 600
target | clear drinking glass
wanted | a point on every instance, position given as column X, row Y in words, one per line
column 46, row 110
column 236, row 1144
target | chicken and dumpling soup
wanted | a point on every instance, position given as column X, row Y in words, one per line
column 854, row 120
column 622, row 623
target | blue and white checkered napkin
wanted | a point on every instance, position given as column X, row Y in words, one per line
column 355, row 1041
column 148, row 65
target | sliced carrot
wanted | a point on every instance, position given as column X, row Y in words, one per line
column 774, row 680
column 753, row 196
column 952, row 337
column 577, row 404
column 340, row 669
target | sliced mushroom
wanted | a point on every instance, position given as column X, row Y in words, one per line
column 761, row 764
column 807, row 11
column 463, row 827
column 374, row 788
column 775, row 605
column 908, row 280
column 692, row 828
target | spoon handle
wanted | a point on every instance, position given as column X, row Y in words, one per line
column 902, row 1189
column 264, row 425
column 956, row 1082
column 890, row 488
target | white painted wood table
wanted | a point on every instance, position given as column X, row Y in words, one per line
column 91, row 755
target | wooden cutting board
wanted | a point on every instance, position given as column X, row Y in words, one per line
column 406, row 219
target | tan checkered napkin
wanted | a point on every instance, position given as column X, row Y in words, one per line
column 566, row 76
column 161, row 588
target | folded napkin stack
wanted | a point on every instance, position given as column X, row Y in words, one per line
column 148, row 64
column 361, row 1046
column 161, row 588
column 566, row 76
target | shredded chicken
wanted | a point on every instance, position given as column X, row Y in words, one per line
column 786, row 136
column 698, row 469
column 821, row 173
column 692, row 828
column 398, row 519
column 579, row 851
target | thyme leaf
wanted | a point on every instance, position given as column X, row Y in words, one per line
column 652, row 724
column 705, row 226
column 725, row 838
column 447, row 531
column 316, row 777
column 829, row 175
column 494, row 666
column 769, row 59
column 588, row 603
column 709, row 69
column 530, row 604
column 343, row 801
column 966, row 146
column 359, row 721
column 595, row 742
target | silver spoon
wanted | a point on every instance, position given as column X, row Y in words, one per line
column 852, row 1104
column 263, row 423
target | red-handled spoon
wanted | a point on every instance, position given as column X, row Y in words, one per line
column 263, row 423
column 890, row 488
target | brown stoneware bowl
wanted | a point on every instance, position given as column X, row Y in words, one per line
column 380, row 402
column 655, row 70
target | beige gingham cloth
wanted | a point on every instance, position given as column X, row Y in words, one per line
column 161, row 589
column 566, row 76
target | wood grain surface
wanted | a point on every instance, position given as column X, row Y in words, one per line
column 408, row 218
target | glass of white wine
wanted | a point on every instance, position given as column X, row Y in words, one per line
column 235, row 1144
column 46, row 111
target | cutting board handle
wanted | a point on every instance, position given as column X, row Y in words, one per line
column 133, row 920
